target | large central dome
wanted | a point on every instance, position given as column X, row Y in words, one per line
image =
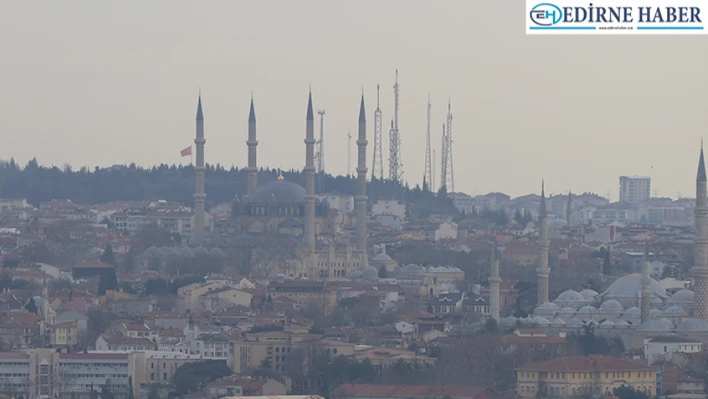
column 630, row 286
column 279, row 191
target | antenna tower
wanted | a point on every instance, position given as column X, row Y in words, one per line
column 319, row 156
column 377, row 169
column 443, row 161
column 395, row 167
column 449, row 171
column 432, row 175
column 349, row 152
column 428, row 173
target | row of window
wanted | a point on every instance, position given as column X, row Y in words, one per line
column 585, row 375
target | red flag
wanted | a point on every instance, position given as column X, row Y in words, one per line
column 186, row 151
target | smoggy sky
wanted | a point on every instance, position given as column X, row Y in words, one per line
column 99, row 83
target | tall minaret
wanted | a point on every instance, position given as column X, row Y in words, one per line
column 569, row 211
column 700, row 246
column 199, row 195
column 361, row 197
column 646, row 285
column 252, row 143
column 542, row 271
column 494, row 281
column 310, row 177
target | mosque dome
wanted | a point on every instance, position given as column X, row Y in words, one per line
column 588, row 293
column 693, row 325
column 574, row 322
column 633, row 311
column 675, row 311
column 370, row 272
column 185, row 251
column 541, row 320
column 153, row 251
column 607, row 323
column 568, row 312
column 216, row 251
column 612, row 305
column 587, row 310
column 570, row 296
column 412, row 267
column 382, row 257
column 658, row 325
column 558, row 322
column 622, row 323
column 356, row 274
column 200, row 251
column 509, row 320
column 655, row 312
column 683, row 295
column 548, row 306
column 243, row 239
column 279, row 191
column 629, row 286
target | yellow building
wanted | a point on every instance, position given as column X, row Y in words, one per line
column 579, row 376
column 65, row 334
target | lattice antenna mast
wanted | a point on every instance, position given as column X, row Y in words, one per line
column 377, row 169
column 395, row 166
column 428, row 173
column 320, row 155
column 450, row 183
column 349, row 153
column 432, row 183
column 443, row 161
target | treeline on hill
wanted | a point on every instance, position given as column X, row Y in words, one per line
column 38, row 184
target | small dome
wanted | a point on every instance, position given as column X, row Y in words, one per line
column 200, row 251
column 509, row 320
column 412, row 267
column 570, row 296
column 370, row 271
column 655, row 312
column 243, row 239
column 658, row 325
column 607, row 323
column 574, row 322
column 567, row 312
column 185, row 251
column 633, row 311
column 612, row 305
column 153, row 251
column 541, row 320
column 693, row 325
column 558, row 322
column 548, row 306
column 622, row 323
column 592, row 323
column 382, row 257
column 588, row 293
column 675, row 311
column 216, row 251
column 356, row 274
column 587, row 309
column 683, row 295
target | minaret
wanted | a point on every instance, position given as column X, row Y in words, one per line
column 361, row 197
column 542, row 271
column 199, row 195
column 310, row 177
column 494, row 281
column 700, row 244
column 569, row 211
column 252, row 143
column 646, row 285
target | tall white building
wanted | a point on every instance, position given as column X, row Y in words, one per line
column 635, row 189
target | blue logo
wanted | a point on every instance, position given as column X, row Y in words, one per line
column 546, row 14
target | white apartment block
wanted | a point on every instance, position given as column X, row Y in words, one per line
column 389, row 207
column 635, row 189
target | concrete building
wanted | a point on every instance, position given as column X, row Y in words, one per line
column 634, row 189
column 660, row 349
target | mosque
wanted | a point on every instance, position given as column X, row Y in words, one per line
column 633, row 306
column 285, row 207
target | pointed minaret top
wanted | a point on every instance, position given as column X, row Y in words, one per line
column 701, row 166
column 362, row 110
column 310, row 115
column 646, row 251
column 252, row 113
column 542, row 212
column 200, row 114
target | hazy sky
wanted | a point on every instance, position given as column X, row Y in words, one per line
column 98, row 83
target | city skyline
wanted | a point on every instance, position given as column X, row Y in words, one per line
column 97, row 93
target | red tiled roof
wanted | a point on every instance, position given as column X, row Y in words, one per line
column 590, row 363
column 411, row 391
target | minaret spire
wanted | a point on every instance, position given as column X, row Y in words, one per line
column 199, row 170
column 361, row 198
column 252, row 144
column 645, row 304
column 494, row 281
column 569, row 211
column 700, row 242
column 309, row 172
column 543, row 271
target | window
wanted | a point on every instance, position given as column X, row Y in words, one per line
column 164, row 376
column 152, row 376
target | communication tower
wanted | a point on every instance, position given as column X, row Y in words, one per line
column 377, row 169
column 395, row 166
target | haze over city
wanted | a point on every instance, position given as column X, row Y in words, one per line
column 90, row 84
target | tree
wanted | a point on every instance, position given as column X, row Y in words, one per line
column 625, row 392
column 192, row 377
column 108, row 257
column 108, row 281
column 383, row 272
column 607, row 264
column 106, row 392
column 31, row 307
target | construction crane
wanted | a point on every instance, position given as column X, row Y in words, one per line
column 395, row 166
column 377, row 169
column 428, row 172
column 319, row 156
